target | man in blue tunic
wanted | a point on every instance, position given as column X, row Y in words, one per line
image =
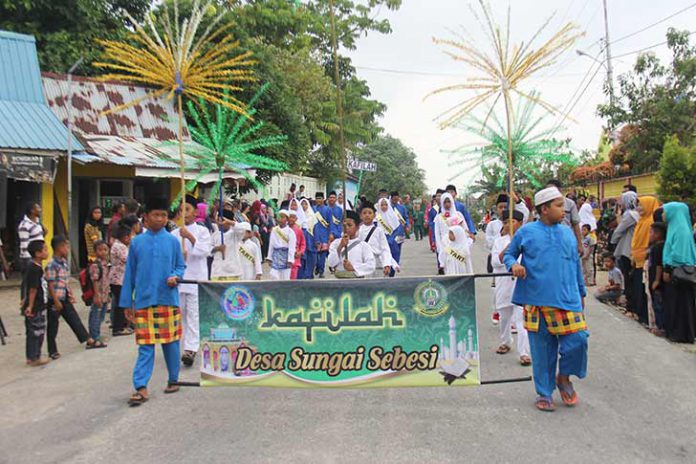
column 401, row 231
column 336, row 216
column 321, row 233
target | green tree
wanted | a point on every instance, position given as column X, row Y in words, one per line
column 68, row 29
column 659, row 101
column 397, row 169
column 677, row 174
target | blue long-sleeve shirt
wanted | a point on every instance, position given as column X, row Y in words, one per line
column 550, row 257
column 321, row 231
column 336, row 221
column 153, row 257
column 467, row 217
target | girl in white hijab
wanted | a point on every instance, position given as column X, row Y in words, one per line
column 295, row 205
column 310, row 217
column 448, row 217
column 587, row 216
column 386, row 218
column 455, row 254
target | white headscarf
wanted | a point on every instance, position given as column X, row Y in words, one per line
column 311, row 219
column 454, row 217
column 389, row 217
column 587, row 217
column 461, row 239
column 301, row 216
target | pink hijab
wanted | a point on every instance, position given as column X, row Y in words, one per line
column 202, row 212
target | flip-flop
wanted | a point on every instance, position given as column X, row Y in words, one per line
column 503, row 349
column 137, row 399
column 545, row 404
column 525, row 361
column 171, row 389
column 96, row 345
column 55, row 356
column 568, row 394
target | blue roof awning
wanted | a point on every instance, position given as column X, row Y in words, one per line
column 26, row 121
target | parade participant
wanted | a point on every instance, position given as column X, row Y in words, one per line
column 496, row 225
column 351, row 256
column 226, row 265
column 60, row 297
column 335, row 218
column 388, row 221
column 196, row 246
column 510, row 314
column 455, row 252
column 322, row 231
column 447, row 218
column 571, row 216
column 403, row 230
column 301, row 245
column 471, row 227
column 309, row 259
column 99, row 274
column 372, row 234
column 432, row 214
column 550, row 287
column 34, row 304
column 155, row 264
column 383, row 193
column 249, row 254
column 419, row 221
column 281, row 250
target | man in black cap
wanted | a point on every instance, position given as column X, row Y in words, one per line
column 349, row 255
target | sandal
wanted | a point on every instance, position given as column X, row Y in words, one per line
column 95, row 345
column 54, row 356
column 568, row 394
column 138, row 398
column 122, row 333
column 545, row 404
column 503, row 349
column 525, row 360
column 171, row 389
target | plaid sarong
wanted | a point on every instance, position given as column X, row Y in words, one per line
column 158, row 324
column 558, row 321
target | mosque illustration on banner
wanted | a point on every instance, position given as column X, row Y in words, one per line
column 220, row 352
column 459, row 353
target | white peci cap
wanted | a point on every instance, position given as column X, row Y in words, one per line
column 244, row 226
column 546, row 195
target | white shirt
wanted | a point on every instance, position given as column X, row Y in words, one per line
column 442, row 228
column 196, row 256
column 229, row 265
column 360, row 256
column 504, row 286
column 277, row 242
column 250, row 269
column 380, row 246
column 496, row 225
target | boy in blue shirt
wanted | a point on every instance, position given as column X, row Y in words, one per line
column 550, row 287
column 155, row 265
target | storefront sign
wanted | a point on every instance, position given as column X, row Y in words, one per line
column 341, row 333
column 359, row 165
column 29, row 168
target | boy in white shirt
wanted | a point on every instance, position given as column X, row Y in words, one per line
column 509, row 313
column 226, row 260
column 373, row 235
column 281, row 248
column 249, row 255
column 350, row 255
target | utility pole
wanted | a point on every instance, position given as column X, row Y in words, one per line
column 607, row 54
column 68, row 221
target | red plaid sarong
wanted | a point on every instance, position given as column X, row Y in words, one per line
column 158, row 324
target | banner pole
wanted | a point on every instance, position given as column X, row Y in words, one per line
column 483, row 382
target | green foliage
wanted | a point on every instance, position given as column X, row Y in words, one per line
column 660, row 100
column 68, row 29
column 677, row 174
column 397, row 169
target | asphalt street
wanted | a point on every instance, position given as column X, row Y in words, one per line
column 636, row 405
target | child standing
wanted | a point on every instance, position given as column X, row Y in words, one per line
column 614, row 289
column 509, row 313
column 589, row 242
column 226, row 260
column 281, row 249
column 34, row 303
column 155, row 264
column 550, row 286
column 249, row 255
column 99, row 274
column 455, row 252
column 299, row 240
column 119, row 256
column 658, row 232
column 60, row 298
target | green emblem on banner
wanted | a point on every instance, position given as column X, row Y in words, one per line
column 431, row 299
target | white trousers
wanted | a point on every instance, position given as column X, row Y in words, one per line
column 189, row 317
column 513, row 315
column 275, row 274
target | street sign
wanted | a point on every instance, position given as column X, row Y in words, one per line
column 359, row 165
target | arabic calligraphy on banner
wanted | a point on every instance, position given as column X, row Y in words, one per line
column 357, row 333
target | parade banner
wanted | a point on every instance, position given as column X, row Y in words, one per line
column 406, row 332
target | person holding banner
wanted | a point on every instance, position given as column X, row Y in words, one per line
column 309, row 259
column 282, row 247
column 372, row 234
column 510, row 314
column 321, row 231
column 250, row 259
column 455, row 253
column 154, row 266
column 197, row 245
column 301, row 245
column 351, row 256
column 551, row 288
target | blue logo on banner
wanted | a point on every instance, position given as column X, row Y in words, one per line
column 237, row 303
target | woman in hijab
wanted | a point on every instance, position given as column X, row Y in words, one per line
column 448, row 217
column 455, row 255
column 309, row 260
column 587, row 216
column 640, row 244
column 679, row 296
column 622, row 238
column 94, row 231
column 389, row 222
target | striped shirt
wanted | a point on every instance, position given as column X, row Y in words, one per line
column 28, row 231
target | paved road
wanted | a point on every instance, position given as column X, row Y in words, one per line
column 637, row 405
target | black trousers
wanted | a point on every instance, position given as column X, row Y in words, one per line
column 36, row 328
column 118, row 316
column 69, row 314
column 625, row 267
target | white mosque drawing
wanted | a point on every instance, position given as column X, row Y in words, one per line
column 462, row 349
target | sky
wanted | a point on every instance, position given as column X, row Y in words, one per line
column 404, row 66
